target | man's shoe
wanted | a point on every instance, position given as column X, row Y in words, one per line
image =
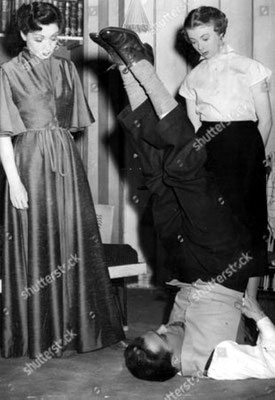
column 112, row 53
column 127, row 45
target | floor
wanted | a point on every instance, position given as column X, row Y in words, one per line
column 102, row 374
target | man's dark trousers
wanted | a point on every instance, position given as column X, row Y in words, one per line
column 191, row 218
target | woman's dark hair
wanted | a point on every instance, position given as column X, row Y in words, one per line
column 145, row 364
column 203, row 16
column 31, row 16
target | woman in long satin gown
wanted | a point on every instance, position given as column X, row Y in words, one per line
column 56, row 288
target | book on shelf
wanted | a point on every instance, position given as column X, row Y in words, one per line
column 71, row 10
column 267, row 282
column 73, row 18
column 5, row 12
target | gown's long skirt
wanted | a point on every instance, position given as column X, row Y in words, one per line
column 56, row 288
column 236, row 156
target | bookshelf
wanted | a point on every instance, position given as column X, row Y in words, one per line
column 267, row 282
column 266, row 292
column 72, row 11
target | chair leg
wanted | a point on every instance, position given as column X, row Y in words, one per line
column 125, row 306
column 121, row 300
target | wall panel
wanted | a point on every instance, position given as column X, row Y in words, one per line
column 263, row 48
column 240, row 25
column 91, row 90
column 114, row 175
column 103, row 104
column 198, row 3
column 134, row 229
column 103, row 173
column 150, row 10
column 171, row 67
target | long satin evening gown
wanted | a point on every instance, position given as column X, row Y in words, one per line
column 54, row 278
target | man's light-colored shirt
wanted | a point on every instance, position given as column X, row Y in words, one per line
column 234, row 361
column 221, row 86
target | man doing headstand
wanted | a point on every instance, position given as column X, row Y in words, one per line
column 213, row 253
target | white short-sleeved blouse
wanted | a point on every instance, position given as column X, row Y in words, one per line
column 221, row 86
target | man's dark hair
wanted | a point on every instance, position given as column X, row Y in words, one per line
column 203, row 16
column 147, row 365
column 31, row 16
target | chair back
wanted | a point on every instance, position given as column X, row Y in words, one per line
column 105, row 218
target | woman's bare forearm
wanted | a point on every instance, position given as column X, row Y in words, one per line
column 7, row 159
column 18, row 193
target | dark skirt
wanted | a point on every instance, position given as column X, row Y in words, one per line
column 236, row 156
column 57, row 292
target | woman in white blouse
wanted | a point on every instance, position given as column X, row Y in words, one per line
column 228, row 103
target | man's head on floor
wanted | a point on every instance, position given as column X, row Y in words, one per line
column 156, row 355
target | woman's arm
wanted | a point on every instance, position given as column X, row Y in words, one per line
column 252, row 286
column 263, row 109
column 18, row 193
column 193, row 116
column 251, row 308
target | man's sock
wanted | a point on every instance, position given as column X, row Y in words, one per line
column 161, row 99
column 134, row 90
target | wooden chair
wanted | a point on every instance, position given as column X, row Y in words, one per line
column 121, row 259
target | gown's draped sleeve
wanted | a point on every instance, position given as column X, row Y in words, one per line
column 11, row 123
column 81, row 114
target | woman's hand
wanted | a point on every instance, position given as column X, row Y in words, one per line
column 18, row 195
column 192, row 114
column 250, row 308
column 260, row 93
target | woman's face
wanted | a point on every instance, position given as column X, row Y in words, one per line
column 42, row 43
column 205, row 40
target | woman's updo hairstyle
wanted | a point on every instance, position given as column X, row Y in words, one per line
column 31, row 16
column 204, row 16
